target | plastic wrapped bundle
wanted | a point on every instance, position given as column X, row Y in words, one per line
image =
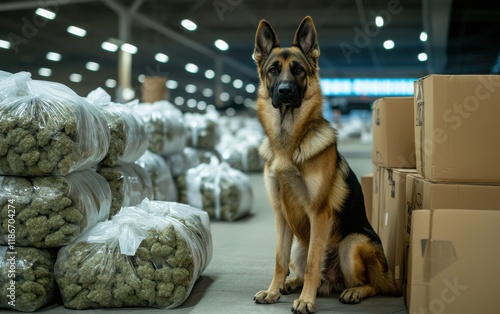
column 164, row 188
column 47, row 129
column 223, row 192
column 129, row 139
column 241, row 154
column 129, row 184
column 52, row 211
column 149, row 255
column 165, row 127
column 26, row 278
column 181, row 162
column 203, row 130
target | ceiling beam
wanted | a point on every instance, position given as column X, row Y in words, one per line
column 436, row 21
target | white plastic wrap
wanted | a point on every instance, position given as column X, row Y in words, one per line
column 165, row 127
column 149, row 255
column 181, row 162
column 203, row 130
column 241, row 153
column 52, row 211
column 164, row 187
column 223, row 192
column 47, row 129
column 129, row 139
column 27, row 278
column 130, row 184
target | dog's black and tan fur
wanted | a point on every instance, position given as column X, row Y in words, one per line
column 317, row 199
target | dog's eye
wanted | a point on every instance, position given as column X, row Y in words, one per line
column 298, row 69
column 273, row 70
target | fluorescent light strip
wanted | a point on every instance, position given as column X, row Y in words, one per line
column 4, row 44
column 209, row 74
column 75, row 77
column 92, row 66
column 367, row 87
column 109, row 46
column 225, row 78
column 250, row 88
column 45, row 13
column 191, row 68
column 388, row 44
column 129, row 48
column 171, row 84
column 45, row 72
column 77, row 31
column 189, row 25
column 110, row 83
column 238, row 83
column 53, row 56
column 222, row 45
column 161, row 57
column 423, row 36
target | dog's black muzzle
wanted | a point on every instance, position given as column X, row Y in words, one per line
column 286, row 94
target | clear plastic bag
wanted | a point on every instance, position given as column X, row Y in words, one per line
column 149, row 255
column 52, row 211
column 241, row 153
column 223, row 192
column 129, row 139
column 165, row 127
column 181, row 162
column 129, row 184
column 27, row 278
column 203, row 130
column 47, row 129
column 164, row 187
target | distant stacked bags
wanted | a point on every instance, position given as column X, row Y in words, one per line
column 129, row 182
column 448, row 211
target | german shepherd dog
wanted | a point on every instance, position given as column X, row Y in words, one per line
column 316, row 197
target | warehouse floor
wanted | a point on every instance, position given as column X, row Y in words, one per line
column 243, row 261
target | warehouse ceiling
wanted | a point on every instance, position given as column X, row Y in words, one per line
column 462, row 37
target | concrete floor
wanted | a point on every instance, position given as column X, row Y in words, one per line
column 243, row 261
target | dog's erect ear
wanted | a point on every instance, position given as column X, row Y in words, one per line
column 265, row 41
column 306, row 38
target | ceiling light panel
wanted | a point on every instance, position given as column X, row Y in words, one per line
column 77, row 31
column 189, row 25
column 109, row 46
column 129, row 48
column 45, row 13
column 92, row 66
column 53, row 56
column 191, row 68
column 221, row 45
column 161, row 57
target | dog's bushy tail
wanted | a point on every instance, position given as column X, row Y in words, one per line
column 381, row 277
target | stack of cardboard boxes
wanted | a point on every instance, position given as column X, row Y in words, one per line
column 445, row 251
column 393, row 157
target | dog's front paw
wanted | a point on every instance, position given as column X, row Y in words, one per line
column 351, row 296
column 302, row 307
column 266, row 297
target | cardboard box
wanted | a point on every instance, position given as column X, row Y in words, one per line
column 367, row 187
column 392, row 218
column 457, row 133
column 422, row 194
column 455, row 266
column 393, row 133
column 425, row 194
column 378, row 197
